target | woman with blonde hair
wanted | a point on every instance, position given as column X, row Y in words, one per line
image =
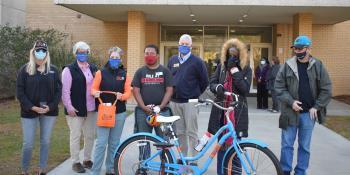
column 39, row 92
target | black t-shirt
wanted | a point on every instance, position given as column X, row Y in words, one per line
column 305, row 96
column 152, row 83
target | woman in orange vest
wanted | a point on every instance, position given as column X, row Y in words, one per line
column 112, row 78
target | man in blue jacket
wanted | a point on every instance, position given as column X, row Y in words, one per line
column 190, row 79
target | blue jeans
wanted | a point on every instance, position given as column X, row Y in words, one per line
column 141, row 125
column 29, row 126
column 304, row 130
column 110, row 137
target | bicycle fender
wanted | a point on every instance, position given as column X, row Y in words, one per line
column 145, row 134
column 254, row 141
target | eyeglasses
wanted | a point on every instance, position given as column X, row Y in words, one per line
column 184, row 44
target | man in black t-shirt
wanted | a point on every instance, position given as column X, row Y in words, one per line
column 151, row 87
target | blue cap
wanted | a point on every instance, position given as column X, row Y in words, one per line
column 302, row 41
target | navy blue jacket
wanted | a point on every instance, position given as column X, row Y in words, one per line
column 190, row 79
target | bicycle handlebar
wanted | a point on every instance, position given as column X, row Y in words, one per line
column 215, row 104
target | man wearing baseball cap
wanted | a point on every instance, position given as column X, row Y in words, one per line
column 304, row 89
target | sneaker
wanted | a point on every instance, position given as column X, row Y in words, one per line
column 78, row 168
column 87, row 164
column 274, row 111
column 270, row 109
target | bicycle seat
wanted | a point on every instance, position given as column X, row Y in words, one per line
column 170, row 119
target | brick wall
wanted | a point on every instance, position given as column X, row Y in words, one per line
column 98, row 34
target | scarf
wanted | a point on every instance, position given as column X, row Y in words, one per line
column 228, row 99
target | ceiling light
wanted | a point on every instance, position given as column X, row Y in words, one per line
column 232, row 31
column 192, row 14
column 194, row 20
column 245, row 15
column 241, row 20
column 200, row 30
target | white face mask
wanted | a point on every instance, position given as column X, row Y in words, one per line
column 262, row 62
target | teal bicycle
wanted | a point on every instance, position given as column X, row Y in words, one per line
column 144, row 153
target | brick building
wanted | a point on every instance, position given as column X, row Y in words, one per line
column 267, row 27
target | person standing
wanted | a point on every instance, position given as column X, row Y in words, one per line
column 38, row 89
column 233, row 74
column 80, row 105
column 271, row 77
column 190, row 79
column 152, row 89
column 262, row 95
column 304, row 88
column 112, row 78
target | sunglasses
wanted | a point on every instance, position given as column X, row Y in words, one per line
column 40, row 50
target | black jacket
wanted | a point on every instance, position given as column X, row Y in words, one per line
column 78, row 88
column 28, row 92
column 113, row 80
column 241, row 86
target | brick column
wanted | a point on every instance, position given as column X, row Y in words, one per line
column 136, row 40
column 302, row 25
column 283, row 39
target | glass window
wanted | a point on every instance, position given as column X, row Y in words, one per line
column 214, row 38
column 173, row 33
column 252, row 34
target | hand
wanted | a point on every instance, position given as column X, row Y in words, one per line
column 147, row 109
column 296, row 106
column 313, row 113
column 119, row 96
column 37, row 109
column 73, row 113
column 234, row 70
column 220, row 92
column 156, row 109
column 44, row 110
column 97, row 94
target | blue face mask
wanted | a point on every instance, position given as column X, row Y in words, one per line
column 114, row 63
column 40, row 54
column 82, row 57
column 184, row 49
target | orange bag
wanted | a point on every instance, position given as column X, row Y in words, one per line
column 106, row 113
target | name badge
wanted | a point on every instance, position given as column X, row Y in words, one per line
column 176, row 65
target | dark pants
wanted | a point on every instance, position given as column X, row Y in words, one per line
column 275, row 102
column 262, row 96
column 141, row 125
column 236, row 164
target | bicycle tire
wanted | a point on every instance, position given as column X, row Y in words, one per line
column 139, row 138
column 229, row 169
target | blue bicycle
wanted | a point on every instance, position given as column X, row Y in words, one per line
column 144, row 153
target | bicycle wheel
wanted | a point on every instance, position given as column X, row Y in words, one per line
column 263, row 160
column 134, row 151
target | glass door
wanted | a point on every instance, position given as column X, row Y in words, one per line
column 256, row 52
column 168, row 49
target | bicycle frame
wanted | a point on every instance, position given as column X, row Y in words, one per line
column 175, row 168
column 196, row 170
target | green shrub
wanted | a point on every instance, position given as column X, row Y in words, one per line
column 15, row 44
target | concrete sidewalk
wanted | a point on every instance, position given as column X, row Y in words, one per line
column 330, row 152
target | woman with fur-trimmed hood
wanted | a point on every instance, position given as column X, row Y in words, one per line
column 233, row 75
